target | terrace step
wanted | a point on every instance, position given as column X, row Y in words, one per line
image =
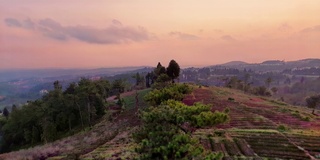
column 271, row 145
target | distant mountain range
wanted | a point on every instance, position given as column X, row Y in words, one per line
column 7, row 75
column 272, row 65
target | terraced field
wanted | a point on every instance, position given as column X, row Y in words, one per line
column 259, row 128
column 259, row 144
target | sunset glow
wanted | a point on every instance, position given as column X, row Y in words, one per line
column 114, row 33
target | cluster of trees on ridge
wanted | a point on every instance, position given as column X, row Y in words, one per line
column 62, row 112
column 81, row 104
column 167, row 126
column 57, row 113
column 160, row 76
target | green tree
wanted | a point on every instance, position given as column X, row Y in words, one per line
column 174, row 92
column 234, row 82
column 148, row 80
column 139, row 80
column 313, row 101
column 6, row 112
column 166, row 131
column 246, row 82
column 162, row 81
column 13, row 108
column 57, row 112
column 118, row 86
column 173, row 70
column 57, row 85
column 268, row 82
column 159, row 70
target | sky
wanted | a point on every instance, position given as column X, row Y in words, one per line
column 115, row 33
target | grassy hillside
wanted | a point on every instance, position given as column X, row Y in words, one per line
column 259, row 128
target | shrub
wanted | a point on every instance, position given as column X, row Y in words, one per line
column 306, row 118
column 166, row 131
column 227, row 110
column 174, row 92
column 283, row 128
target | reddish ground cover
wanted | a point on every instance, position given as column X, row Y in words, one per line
column 249, row 112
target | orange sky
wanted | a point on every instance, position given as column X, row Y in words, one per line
column 109, row 33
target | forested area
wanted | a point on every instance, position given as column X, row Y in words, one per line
column 57, row 114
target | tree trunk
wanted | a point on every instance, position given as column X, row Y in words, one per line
column 79, row 111
column 69, row 124
column 137, row 101
column 89, row 113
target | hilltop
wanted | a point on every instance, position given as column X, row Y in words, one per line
column 19, row 86
column 273, row 65
column 259, row 128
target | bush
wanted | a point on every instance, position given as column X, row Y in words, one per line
column 166, row 131
column 306, row 119
column 283, row 128
column 173, row 92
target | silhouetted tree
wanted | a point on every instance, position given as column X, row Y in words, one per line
column 313, row 101
column 173, row 70
column 13, row 108
column 57, row 85
column 268, row 81
column 160, row 69
column 70, row 89
column 6, row 112
column 148, row 79
column 246, row 79
column 118, row 86
column 139, row 79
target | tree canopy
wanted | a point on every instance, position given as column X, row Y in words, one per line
column 56, row 114
column 167, row 126
column 173, row 70
column 313, row 102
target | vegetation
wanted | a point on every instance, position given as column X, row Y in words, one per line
column 313, row 102
column 167, row 126
column 56, row 114
column 160, row 76
column 227, row 123
column 236, row 83
column 173, row 92
column 258, row 128
column 166, row 130
column 173, row 70
column 5, row 112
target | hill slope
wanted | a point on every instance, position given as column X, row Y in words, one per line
column 259, row 128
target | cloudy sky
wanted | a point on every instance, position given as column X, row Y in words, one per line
column 112, row 33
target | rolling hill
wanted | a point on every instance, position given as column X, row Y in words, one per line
column 259, row 128
column 273, row 65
